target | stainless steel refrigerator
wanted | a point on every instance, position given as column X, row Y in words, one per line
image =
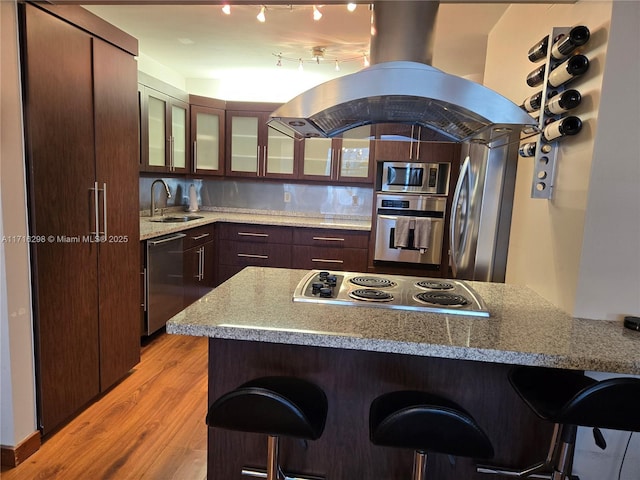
column 481, row 211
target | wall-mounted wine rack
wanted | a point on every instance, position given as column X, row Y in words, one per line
column 546, row 152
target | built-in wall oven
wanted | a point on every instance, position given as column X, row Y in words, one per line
column 409, row 228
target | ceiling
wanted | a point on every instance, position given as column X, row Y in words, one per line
column 201, row 42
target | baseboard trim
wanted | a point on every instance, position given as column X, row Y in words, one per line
column 14, row 456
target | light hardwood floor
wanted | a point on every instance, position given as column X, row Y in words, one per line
column 150, row 426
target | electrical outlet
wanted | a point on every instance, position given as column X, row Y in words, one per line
column 355, row 200
column 287, row 197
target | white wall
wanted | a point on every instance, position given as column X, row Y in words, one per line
column 611, row 246
column 17, row 410
column 581, row 250
column 550, row 250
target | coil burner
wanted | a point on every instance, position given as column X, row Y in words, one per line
column 442, row 299
column 372, row 282
column 371, row 295
column 435, row 285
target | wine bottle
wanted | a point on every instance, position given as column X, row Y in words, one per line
column 539, row 50
column 560, row 128
column 532, row 103
column 527, row 149
column 562, row 102
column 536, row 77
column 577, row 37
column 568, row 70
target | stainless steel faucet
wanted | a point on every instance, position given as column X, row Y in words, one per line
column 153, row 200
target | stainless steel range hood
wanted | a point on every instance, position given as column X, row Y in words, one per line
column 400, row 87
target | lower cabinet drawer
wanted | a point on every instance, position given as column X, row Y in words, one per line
column 344, row 259
column 260, row 255
column 322, row 237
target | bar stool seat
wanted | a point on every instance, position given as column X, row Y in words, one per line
column 276, row 406
column 426, row 422
column 570, row 399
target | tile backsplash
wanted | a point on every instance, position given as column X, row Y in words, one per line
column 296, row 198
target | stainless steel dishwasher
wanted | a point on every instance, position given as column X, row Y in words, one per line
column 164, row 280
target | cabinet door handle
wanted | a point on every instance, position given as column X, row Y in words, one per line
column 418, row 143
column 200, row 237
column 329, row 239
column 248, row 234
column 145, row 292
column 203, row 257
column 96, row 209
column 200, row 263
column 104, row 211
column 411, row 145
column 326, row 260
column 258, row 162
column 250, row 255
column 195, row 154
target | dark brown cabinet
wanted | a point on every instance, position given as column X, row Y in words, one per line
column 207, row 135
column 164, row 127
column 407, row 143
column 82, row 158
column 198, row 262
column 315, row 248
column 242, row 245
column 255, row 150
column 345, row 159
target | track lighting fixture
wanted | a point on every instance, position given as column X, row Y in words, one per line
column 226, row 9
column 351, row 7
column 261, row 16
column 317, row 14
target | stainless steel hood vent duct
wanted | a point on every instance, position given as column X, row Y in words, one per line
column 400, row 87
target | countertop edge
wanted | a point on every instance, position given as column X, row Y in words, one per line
column 149, row 229
column 455, row 352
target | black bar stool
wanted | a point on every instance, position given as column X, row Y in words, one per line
column 425, row 422
column 569, row 400
column 277, row 406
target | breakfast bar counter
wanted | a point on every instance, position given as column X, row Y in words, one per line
column 523, row 328
column 357, row 353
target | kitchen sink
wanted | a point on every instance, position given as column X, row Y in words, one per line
column 175, row 218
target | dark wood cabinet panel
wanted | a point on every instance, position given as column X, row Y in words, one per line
column 80, row 130
column 116, row 144
column 255, row 233
column 261, row 255
column 198, row 262
column 326, row 258
column 60, row 138
column 321, row 237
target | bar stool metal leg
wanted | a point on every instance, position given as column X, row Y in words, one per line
column 419, row 465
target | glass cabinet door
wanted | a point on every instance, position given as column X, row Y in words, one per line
column 178, row 160
column 318, row 153
column 280, row 154
column 157, row 131
column 354, row 154
column 206, row 130
column 244, row 144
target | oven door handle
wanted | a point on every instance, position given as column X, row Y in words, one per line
column 454, row 227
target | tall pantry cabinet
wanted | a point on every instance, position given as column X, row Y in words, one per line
column 80, row 104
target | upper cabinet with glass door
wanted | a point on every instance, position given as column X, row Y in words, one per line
column 346, row 159
column 255, row 150
column 207, row 135
column 164, row 128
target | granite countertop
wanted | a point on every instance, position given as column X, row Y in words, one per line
column 524, row 329
column 149, row 229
